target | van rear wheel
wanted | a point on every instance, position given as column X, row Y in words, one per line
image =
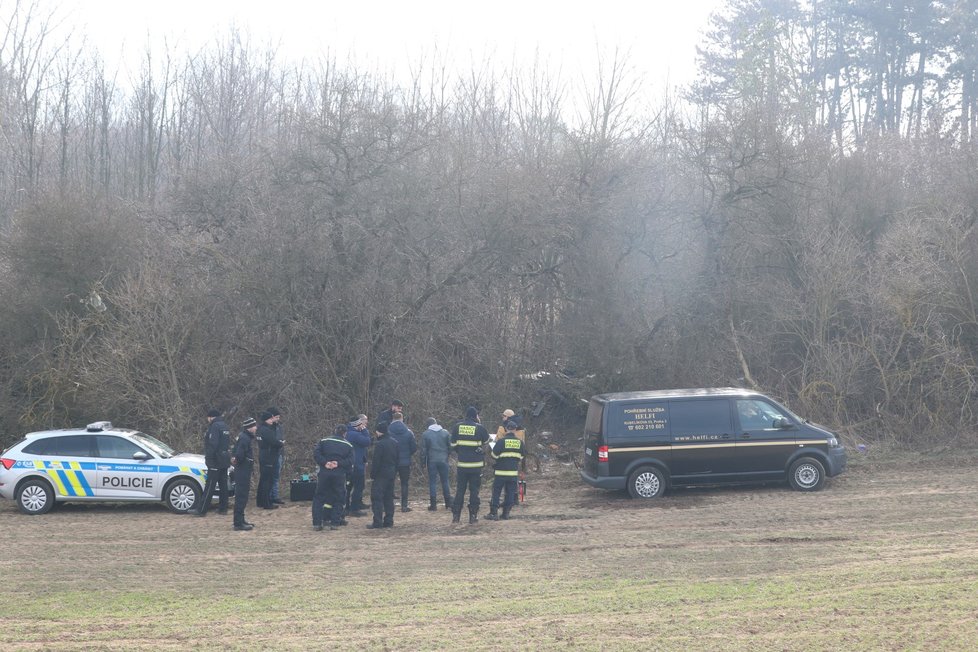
column 806, row 474
column 646, row 482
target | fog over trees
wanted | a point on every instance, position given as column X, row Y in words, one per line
column 231, row 230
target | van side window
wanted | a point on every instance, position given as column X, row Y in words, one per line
column 700, row 417
column 757, row 415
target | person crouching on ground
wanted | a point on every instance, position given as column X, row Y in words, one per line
column 435, row 446
column 508, row 453
column 383, row 471
column 334, row 457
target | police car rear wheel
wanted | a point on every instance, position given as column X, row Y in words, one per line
column 181, row 496
column 646, row 482
column 806, row 474
column 35, row 497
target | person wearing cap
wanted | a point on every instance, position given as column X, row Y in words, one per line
column 269, row 447
column 383, row 471
column 508, row 452
column 356, row 434
column 277, row 470
column 436, row 445
column 217, row 439
column 407, row 446
column 386, row 416
column 468, row 440
column 334, row 457
column 509, row 415
column 243, row 460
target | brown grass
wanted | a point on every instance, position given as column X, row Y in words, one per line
column 885, row 558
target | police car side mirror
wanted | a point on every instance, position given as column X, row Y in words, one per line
column 140, row 455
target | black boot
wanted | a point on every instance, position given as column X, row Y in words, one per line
column 505, row 515
column 473, row 517
column 433, row 507
column 456, row 516
column 492, row 515
column 448, row 502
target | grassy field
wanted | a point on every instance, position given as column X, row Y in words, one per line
column 885, row 558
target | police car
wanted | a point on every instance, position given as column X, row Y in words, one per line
column 95, row 464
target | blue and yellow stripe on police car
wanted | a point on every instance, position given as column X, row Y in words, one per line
column 67, row 477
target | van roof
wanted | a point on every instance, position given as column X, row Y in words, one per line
column 674, row 393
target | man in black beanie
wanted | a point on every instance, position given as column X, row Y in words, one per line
column 383, row 471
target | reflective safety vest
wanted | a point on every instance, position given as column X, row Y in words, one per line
column 508, row 452
column 468, row 438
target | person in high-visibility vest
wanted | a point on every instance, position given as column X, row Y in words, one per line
column 469, row 438
column 508, row 452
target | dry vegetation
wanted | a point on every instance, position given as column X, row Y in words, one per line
column 884, row 558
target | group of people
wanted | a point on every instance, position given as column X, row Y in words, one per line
column 341, row 459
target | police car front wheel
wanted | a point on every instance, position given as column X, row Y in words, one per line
column 181, row 495
column 35, row 496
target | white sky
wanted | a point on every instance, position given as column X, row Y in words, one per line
column 659, row 35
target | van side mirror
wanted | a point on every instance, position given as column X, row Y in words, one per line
column 781, row 424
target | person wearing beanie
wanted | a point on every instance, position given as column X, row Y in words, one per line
column 217, row 439
column 386, row 416
column 269, row 447
column 277, row 470
column 436, row 445
column 358, row 435
column 468, row 440
column 508, row 452
column 243, row 460
column 383, row 471
column 407, row 445
column 509, row 415
column 334, row 458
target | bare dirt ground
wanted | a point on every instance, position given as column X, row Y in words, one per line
column 885, row 558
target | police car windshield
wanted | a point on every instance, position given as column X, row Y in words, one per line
column 157, row 447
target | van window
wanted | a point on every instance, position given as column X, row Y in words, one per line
column 757, row 415
column 595, row 410
column 700, row 417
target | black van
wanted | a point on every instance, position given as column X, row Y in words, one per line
column 649, row 441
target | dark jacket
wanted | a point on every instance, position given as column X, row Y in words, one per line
column 269, row 445
column 469, row 438
column 361, row 441
column 407, row 445
column 242, row 453
column 217, row 439
column 334, row 449
column 508, row 452
column 436, row 444
column 385, row 416
column 383, row 465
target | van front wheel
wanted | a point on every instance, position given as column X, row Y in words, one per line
column 646, row 482
column 806, row 474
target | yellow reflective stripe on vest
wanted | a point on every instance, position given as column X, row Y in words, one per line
column 518, row 456
column 507, row 473
column 470, row 465
column 466, row 442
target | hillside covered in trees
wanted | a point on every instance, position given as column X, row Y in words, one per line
column 229, row 230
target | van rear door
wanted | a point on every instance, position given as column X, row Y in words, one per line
column 593, row 438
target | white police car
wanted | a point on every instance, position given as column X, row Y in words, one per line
column 98, row 463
